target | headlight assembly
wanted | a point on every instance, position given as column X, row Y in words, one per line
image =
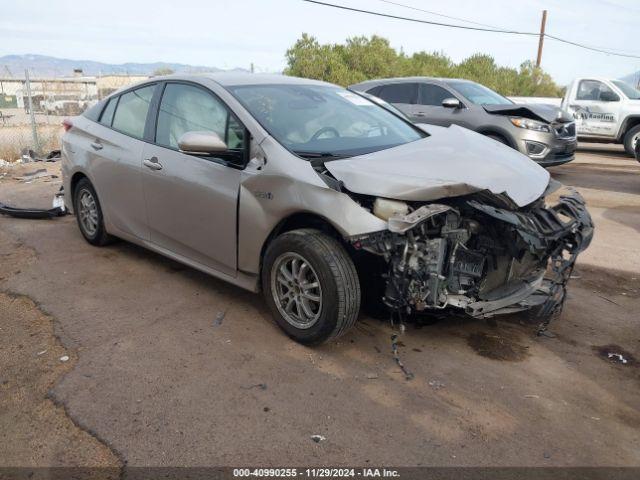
column 385, row 208
column 529, row 124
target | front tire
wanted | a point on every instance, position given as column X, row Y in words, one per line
column 631, row 138
column 89, row 214
column 311, row 286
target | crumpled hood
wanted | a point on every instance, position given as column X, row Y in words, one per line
column 541, row 112
column 450, row 162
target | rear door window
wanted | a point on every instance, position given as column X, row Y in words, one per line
column 433, row 94
column 107, row 114
column 399, row 93
column 131, row 114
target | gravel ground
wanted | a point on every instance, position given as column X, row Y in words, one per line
column 153, row 378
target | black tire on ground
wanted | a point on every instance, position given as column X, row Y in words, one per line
column 630, row 136
column 337, row 276
column 99, row 237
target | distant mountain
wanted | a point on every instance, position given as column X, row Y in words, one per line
column 45, row 66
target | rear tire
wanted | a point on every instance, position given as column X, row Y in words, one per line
column 630, row 140
column 89, row 214
column 293, row 263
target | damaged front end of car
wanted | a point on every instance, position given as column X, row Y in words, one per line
column 481, row 254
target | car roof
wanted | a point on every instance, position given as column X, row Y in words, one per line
column 234, row 79
column 384, row 81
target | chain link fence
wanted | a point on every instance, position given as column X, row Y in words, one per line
column 32, row 108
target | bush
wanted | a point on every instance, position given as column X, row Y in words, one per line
column 364, row 58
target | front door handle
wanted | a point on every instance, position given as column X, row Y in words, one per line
column 152, row 163
column 421, row 114
column 96, row 145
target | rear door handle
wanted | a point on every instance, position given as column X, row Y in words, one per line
column 96, row 145
column 421, row 114
column 152, row 163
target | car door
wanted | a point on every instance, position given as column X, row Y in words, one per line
column 401, row 95
column 115, row 146
column 429, row 107
column 192, row 200
column 596, row 109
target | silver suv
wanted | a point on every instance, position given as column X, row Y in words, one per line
column 544, row 133
column 320, row 198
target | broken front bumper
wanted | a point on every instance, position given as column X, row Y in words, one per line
column 483, row 259
column 561, row 231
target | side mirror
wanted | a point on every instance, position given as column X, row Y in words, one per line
column 451, row 103
column 607, row 96
column 201, row 143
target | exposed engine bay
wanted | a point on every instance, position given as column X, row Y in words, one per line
column 480, row 253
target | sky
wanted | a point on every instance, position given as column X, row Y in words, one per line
column 228, row 34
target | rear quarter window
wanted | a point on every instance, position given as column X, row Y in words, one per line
column 107, row 114
column 131, row 113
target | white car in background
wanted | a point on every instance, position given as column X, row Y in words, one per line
column 606, row 111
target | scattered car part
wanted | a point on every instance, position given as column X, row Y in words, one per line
column 29, row 156
column 58, row 209
column 408, row 375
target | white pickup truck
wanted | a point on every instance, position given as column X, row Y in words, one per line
column 605, row 110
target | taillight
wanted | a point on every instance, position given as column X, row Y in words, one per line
column 66, row 124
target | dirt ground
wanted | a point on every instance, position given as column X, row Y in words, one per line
column 153, row 379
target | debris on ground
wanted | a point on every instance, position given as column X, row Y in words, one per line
column 39, row 354
column 261, row 386
column 318, row 438
column 29, row 156
column 371, row 376
column 615, row 354
column 396, row 356
column 546, row 333
column 34, row 175
column 436, row 384
column 32, row 213
column 617, row 357
column 58, row 209
column 219, row 318
column 608, row 299
column 5, row 163
column 53, row 156
column 64, row 358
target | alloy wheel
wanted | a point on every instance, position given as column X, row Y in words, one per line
column 296, row 290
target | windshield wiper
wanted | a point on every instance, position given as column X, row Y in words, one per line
column 321, row 155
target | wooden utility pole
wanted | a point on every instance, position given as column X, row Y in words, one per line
column 541, row 40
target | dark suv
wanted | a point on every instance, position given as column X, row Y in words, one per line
column 544, row 133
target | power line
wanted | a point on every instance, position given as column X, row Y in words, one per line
column 595, row 49
column 438, row 14
column 465, row 27
column 416, row 20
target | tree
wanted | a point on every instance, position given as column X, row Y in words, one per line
column 163, row 71
column 363, row 58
